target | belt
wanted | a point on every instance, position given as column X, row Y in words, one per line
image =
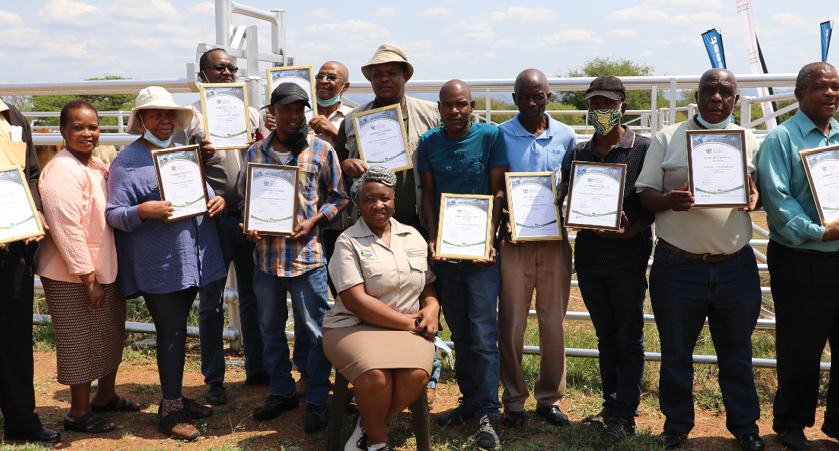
column 707, row 258
column 815, row 252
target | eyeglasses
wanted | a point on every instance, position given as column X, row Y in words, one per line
column 330, row 77
column 221, row 68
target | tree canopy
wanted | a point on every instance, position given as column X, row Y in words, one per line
column 103, row 102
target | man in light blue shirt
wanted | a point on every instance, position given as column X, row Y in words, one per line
column 803, row 257
column 535, row 143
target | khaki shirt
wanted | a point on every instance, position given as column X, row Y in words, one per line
column 700, row 231
column 11, row 153
column 395, row 275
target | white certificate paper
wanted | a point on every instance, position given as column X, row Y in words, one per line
column 465, row 222
column 18, row 216
column 822, row 169
column 180, row 178
column 271, row 203
column 226, row 118
column 381, row 138
column 717, row 168
column 301, row 76
column 595, row 197
column 533, row 214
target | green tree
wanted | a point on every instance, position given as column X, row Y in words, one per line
column 501, row 105
column 102, row 102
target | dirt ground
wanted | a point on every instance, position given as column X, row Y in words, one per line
column 232, row 425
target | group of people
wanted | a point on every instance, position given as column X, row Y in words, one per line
column 368, row 235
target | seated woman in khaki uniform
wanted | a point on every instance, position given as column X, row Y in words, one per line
column 380, row 334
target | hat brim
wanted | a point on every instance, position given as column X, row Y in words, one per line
column 287, row 100
column 135, row 127
column 608, row 94
column 367, row 68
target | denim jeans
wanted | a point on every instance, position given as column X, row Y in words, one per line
column 308, row 300
column 236, row 248
column 683, row 292
column 469, row 301
column 616, row 306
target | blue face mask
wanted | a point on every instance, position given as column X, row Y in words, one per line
column 330, row 102
column 711, row 126
column 153, row 139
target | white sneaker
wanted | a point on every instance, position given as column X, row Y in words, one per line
column 358, row 438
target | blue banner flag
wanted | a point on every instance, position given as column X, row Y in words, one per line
column 713, row 43
column 826, row 32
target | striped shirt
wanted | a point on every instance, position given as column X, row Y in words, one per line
column 321, row 191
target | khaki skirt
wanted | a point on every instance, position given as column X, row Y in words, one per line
column 361, row 348
column 88, row 345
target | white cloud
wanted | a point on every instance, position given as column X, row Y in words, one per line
column 792, row 21
column 354, row 29
column 467, row 29
column 206, row 8
column 692, row 5
column 622, row 33
column 440, row 12
column 581, row 37
column 646, row 54
column 418, row 46
column 700, row 20
column 320, row 13
column 387, row 11
column 9, row 19
column 637, row 14
column 68, row 12
column 523, row 15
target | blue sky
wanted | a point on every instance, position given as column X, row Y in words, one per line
column 68, row 40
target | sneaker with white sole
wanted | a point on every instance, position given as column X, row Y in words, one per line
column 358, row 438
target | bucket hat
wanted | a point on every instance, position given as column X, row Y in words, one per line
column 387, row 53
column 155, row 97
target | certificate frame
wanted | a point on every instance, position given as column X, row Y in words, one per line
column 690, row 136
column 237, row 87
column 249, row 183
column 571, row 199
column 551, row 178
column 804, row 154
column 7, row 175
column 156, row 156
column 303, row 72
column 488, row 237
column 379, row 111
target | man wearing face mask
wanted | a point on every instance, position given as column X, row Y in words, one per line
column 222, row 171
column 703, row 267
column 612, row 265
column 535, row 143
column 331, row 82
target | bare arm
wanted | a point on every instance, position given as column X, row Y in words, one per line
column 496, row 186
column 429, row 212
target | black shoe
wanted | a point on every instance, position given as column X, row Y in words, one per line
column 487, row 436
column 514, row 418
column 672, row 439
column 196, row 411
column 216, row 395
column 618, row 429
column 750, row 442
column 553, row 415
column 262, row 378
column 275, row 405
column 459, row 414
column 45, row 435
column 317, row 417
column 794, row 440
column 600, row 419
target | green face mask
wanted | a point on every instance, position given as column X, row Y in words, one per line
column 604, row 120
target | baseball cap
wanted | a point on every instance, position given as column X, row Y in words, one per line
column 607, row 86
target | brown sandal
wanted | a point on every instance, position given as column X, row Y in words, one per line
column 89, row 423
column 116, row 406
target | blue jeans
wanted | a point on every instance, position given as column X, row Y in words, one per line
column 683, row 292
column 235, row 248
column 616, row 305
column 308, row 299
column 469, row 301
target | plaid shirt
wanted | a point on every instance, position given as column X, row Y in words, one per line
column 321, row 191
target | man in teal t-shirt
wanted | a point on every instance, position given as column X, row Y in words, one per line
column 462, row 157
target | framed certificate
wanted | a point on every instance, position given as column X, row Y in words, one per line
column 226, row 117
column 717, row 168
column 381, row 138
column 271, row 200
column 465, row 227
column 822, row 168
column 303, row 76
column 533, row 214
column 595, row 195
column 180, row 178
column 20, row 218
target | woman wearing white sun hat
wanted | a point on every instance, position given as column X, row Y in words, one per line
column 165, row 263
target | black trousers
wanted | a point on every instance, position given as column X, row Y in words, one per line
column 17, row 394
column 805, row 289
column 170, row 312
